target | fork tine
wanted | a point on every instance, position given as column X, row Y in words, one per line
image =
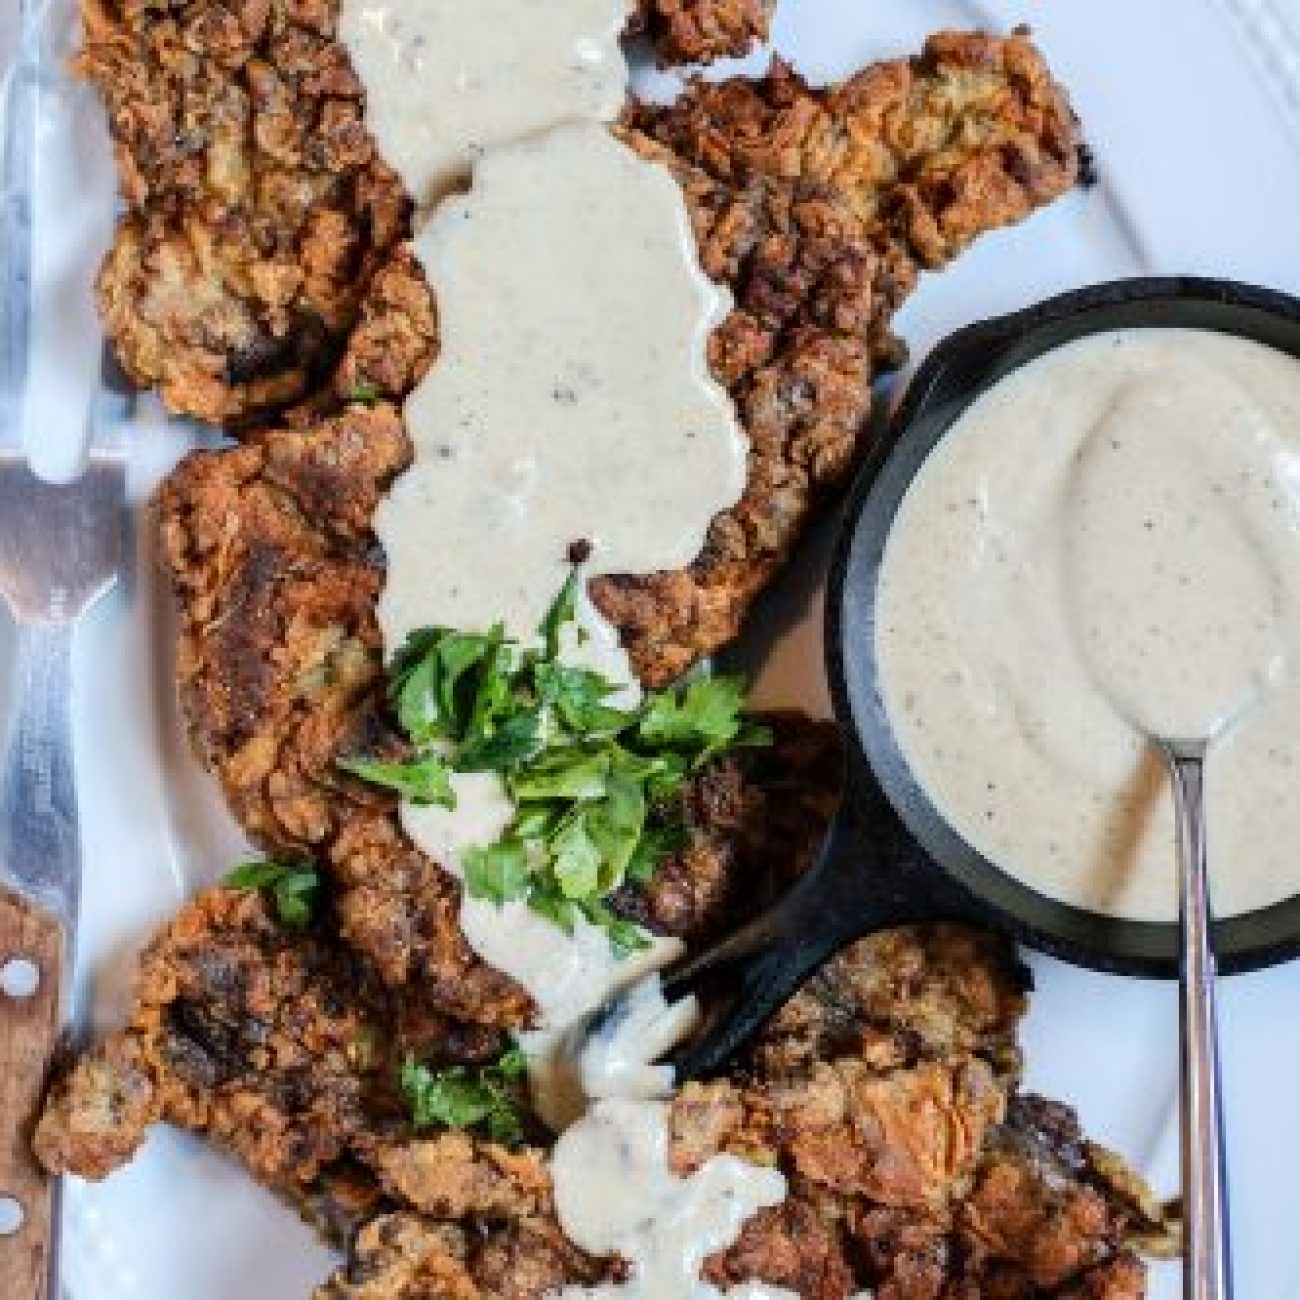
column 17, row 173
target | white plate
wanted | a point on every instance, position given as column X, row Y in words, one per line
column 1193, row 109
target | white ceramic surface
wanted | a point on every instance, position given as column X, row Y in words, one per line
column 1193, row 110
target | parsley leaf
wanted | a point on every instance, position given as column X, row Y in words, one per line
column 704, row 715
column 578, row 695
column 504, row 745
column 462, row 688
column 563, row 774
column 625, row 937
column 576, row 859
column 563, row 610
column 616, row 825
column 423, row 780
column 293, row 887
column 547, row 901
column 415, row 695
column 457, row 1096
column 499, row 872
column 365, row 393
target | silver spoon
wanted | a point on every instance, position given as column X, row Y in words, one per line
column 1206, row 1270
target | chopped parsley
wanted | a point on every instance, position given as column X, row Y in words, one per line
column 293, row 887
column 365, row 393
column 456, row 1096
column 592, row 782
column 424, row 780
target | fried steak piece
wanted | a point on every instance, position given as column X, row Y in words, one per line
column 817, row 209
column 275, row 1044
column 258, row 211
column 269, row 545
column 886, row 1091
column 686, row 32
column 929, row 152
column 279, row 665
column 278, row 578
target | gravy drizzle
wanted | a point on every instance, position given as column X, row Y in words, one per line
column 571, row 408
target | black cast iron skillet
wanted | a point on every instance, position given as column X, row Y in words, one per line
column 889, row 857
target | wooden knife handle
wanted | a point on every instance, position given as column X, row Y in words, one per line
column 30, row 1035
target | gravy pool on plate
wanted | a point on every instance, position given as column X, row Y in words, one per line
column 1107, row 542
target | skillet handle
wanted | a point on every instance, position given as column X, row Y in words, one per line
column 854, row 890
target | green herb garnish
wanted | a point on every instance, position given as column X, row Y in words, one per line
column 423, row 780
column 293, row 886
column 366, row 394
column 457, row 1096
column 592, row 783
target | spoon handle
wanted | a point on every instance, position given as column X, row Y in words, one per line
column 1207, row 1273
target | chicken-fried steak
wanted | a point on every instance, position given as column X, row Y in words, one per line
column 816, row 208
column 280, row 674
column 258, row 211
column 262, row 266
column 886, row 1091
column 917, row 1174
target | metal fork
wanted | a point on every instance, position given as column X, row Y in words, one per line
column 60, row 551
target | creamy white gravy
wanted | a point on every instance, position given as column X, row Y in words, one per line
column 1107, row 544
column 446, row 80
column 572, row 399
column 619, row 1057
column 615, row 1193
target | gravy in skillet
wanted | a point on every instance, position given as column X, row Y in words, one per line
column 1106, row 545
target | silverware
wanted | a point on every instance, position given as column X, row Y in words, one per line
column 60, row 551
column 1207, row 1271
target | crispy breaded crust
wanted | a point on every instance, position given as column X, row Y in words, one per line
column 279, row 665
column 929, row 152
column 277, row 580
column 816, row 207
column 684, row 31
column 257, row 209
column 278, row 1046
column 922, row 1178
